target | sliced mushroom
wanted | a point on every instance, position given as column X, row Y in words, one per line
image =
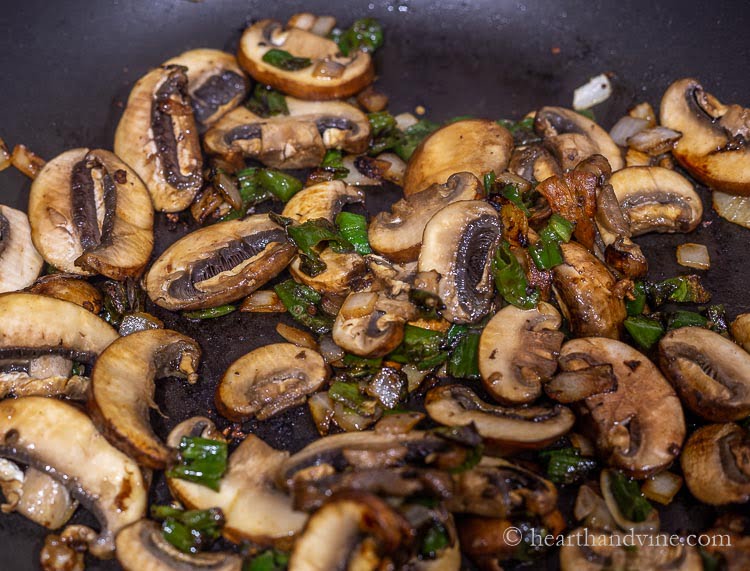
column 90, row 213
column 741, row 330
column 20, row 263
column 322, row 200
column 269, row 380
column 587, row 549
column 218, row 264
column 476, row 146
column 216, row 83
column 141, row 546
column 518, row 352
column 504, row 429
column 353, row 531
column 158, row 137
column 343, row 271
column 101, row 477
column 370, row 324
column 458, row 243
column 709, row 372
column 716, row 464
column 254, row 509
column 122, row 389
column 71, row 288
column 639, row 427
column 296, row 140
column 573, row 137
column 585, row 291
column 398, row 234
column 330, row 75
column 656, row 199
column 534, row 163
column 713, row 147
column 46, row 375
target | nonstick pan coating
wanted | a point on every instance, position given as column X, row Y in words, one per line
column 68, row 67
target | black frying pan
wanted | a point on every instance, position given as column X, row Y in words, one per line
column 68, row 67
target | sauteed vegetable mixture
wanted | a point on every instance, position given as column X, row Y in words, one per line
column 492, row 337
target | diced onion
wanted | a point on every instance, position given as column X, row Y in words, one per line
column 736, row 209
column 405, row 120
column 662, row 488
column 397, row 169
column 321, row 409
column 654, row 141
column 355, row 177
column 323, row 25
column 373, row 101
column 592, row 510
column 4, row 156
column 263, row 301
column 625, row 128
column 26, row 161
column 297, row 336
column 359, row 305
column 330, row 352
column 644, row 111
column 598, row 89
column 328, row 68
column 414, row 376
column 693, row 256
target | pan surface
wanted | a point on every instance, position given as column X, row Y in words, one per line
column 68, row 67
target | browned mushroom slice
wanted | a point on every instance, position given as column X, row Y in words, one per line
column 639, row 427
column 729, row 540
column 458, row 243
column 20, row 263
column 216, row 83
column 90, row 213
column 322, row 200
column 573, row 137
column 296, row 140
column 218, row 264
column 71, row 288
column 353, row 531
column 534, row 163
column 741, row 330
column 158, row 137
column 518, row 352
column 585, row 290
column 398, row 234
column 104, row 479
column 504, row 429
column 269, row 380
column 716, row 464
column 710, row 373
column 122, row 389
column 254, row 509
column 330, row 75
column 476, row 146
column 343, row 270
column 713, row 147
column 656, row 199
column 370, row 324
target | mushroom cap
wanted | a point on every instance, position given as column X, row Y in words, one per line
column 70, row 199
column 59, row 439
column 716, row 464
column 709, row 148
column 265, row 35
column 657, row 199
column 518, row 352
column 476, row 146
column 639, row 427
column 458, row 243
column 398, row 234
column 170, row 167
column 20, row 263
column 69, row 288
column 269, row 380
column 218, row 264
column 709, row 372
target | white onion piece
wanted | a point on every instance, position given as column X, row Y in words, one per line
column 330, row 352
column 395, row 173
column 644, row 111
column 592, row 510
column 302, row 21
column 26, row 161
column 297, row 336
column 263, row 301
column 405, row 120
column 321, row 409
column 414, row 376
column 323, row 25
column 662, row 488
column 736, row 209
column 359, row 305
column 4, row 156
column 355, row 177
column 693, row 256
column 654, row 141
column 598, row 89
column 625, row 128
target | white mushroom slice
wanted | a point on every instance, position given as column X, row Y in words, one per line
column 656, row 199
column 298, row 139
column 158, row 137
column 216, row 83
column 322, row 200
column 218, row 264
column 341, row 273
column 60, row 440
column 269, row 380
column 476, row 146
column 20, row 263
column 70, row 288
column 122, row 389
column 458, row 243
column 254, row 509
column 90, row 213
column 352, row 73
column 518, row 352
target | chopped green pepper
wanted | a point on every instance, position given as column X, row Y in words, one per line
column 423, row 347
column 645, row 331
column 365, row 34
column 413, row 135
column 685, row 319
column 307, row 236
column 267, row 102
column 269, row 560
column 717, row 319
column 303, row 304
column 286, row 61
column 638, row 304
column 681, row 289
column 510, row 279
column 191, row 530
column 566, row 465
column 333, row 161
column 464, row 360
column 202, row 461
column 353, row 227
column 631, row 502
column 209, row 313
column 434, row 541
